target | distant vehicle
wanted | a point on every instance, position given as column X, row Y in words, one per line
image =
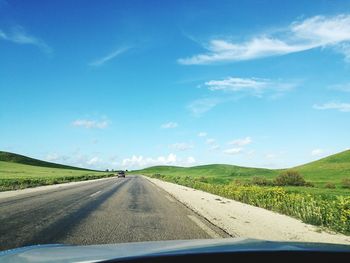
column 121, row 174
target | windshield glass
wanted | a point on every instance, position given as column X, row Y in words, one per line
column 128, row 121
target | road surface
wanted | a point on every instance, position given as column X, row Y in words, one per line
column 103, row 211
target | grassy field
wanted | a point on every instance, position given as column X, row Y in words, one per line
column 331, row 169
column 215, row 173
column 16, row 173
column 316, row 204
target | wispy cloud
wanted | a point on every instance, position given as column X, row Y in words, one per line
column 237, row 84
column 233, row 151
column 108, row 57
column 241, row 141
column 255, row 86
column 19, row 36
column 200, row 106
column 91, row 124
column 314, row 32
column 238, row 88
column 169, row 125
column 182, row 146
column 251, row 86
column 340, row 106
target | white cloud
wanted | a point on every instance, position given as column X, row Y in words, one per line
column 233, row 151
column 253, row 85
column 241, row 142
column 344, row 107
column 224, row 51
column 200, row 106
column 317, row 152
column 169, row 125
column 314, row 32
column 108, row 57
column 181, row 146
column 210, row 141
column 19, row 36
column 91, row 124
column 202, row 134
column 322, row 30
column 137, row 162
column 236, row 84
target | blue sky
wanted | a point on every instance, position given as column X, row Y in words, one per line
column 130, row 84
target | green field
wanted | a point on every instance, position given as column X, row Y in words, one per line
column 331, row 169
column 17, row 172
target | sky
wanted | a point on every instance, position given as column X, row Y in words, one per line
column 131, row 84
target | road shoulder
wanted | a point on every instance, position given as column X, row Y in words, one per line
column 243, row 220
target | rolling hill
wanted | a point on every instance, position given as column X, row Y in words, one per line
column 329, row 169
column 219, row 173
column 18, row 171
column 17, row 158
column 332, row 168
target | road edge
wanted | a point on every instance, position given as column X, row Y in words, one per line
column 190, row 208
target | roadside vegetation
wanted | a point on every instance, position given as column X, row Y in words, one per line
column 318, row 193
column 16, row 173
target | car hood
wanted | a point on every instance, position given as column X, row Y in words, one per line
column 95, row 253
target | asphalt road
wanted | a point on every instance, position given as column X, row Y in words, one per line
column 113, row 210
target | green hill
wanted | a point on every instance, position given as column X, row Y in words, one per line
column 18, row 171
column 329, row 169
column 217, row 173
column 17, row 158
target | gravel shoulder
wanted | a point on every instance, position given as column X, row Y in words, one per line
column 246, row 221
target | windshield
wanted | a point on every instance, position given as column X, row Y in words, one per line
column 129, row 121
